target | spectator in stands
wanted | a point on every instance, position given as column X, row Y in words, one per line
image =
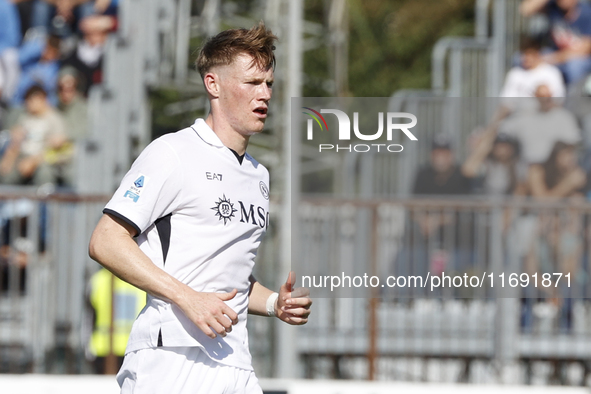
column 570, row 25
column 3, row 107
column 495, row 165
column 533, row 71
column 557, row 245
column 15, row 248
column 10, row 39
column 560, row 176
column 39, row 134
column 538, row 131
column 25, row 10
column 73, row 108
column 428, row 252
column 72, row 105
column 128, row 302
column 521, row 82
column 10, row 26
column 39, row 60
column 87, row 57
column 59, row 16
column 442, row 176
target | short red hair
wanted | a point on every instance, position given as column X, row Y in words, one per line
column 222, row 49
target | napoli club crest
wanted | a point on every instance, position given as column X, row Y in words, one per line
column 264, row 190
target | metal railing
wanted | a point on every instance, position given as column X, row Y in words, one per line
column 462, row 67
column 476, row 66
column 42, row 317
column 44, row 269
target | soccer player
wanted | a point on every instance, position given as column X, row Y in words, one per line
column 198, row 206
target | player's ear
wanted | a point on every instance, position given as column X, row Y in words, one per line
column 211, row 81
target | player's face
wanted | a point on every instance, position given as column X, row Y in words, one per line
column 245, row 92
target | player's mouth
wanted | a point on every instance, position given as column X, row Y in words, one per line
column 261, row 112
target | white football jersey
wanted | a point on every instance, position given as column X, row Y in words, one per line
column 200, row 216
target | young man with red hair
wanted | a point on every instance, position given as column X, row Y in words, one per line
column 199, row 206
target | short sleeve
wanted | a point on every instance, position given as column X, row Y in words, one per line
column 151, row 189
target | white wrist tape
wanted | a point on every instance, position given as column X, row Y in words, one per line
column 271, row 304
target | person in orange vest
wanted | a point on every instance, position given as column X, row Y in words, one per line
column 128, row 302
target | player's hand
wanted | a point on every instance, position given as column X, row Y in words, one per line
column 293, row 304
column 210, row 313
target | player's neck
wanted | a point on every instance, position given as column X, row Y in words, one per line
column 229, row 137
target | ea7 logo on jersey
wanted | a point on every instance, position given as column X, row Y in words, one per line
column 224, row 209
column 212, row 176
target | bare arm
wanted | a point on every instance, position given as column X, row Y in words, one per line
column 567, row 185
column 532, row 7
column 257, row 300
column 112, row 245
column 8, row 160
column 292, row 306
column 478, row 155
column 582, row 49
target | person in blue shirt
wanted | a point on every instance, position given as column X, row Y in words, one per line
column 10, row 39
column 10, row 26
column 39, row 60
column 60, row 16
column 570, row 29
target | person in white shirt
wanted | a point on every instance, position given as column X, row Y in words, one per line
column 539, row 130
column 522, row 81
column 199, row 206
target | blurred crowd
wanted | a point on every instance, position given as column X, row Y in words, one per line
column 536, row 146
column 50, row 55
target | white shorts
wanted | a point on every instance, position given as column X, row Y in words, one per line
column 181, row 370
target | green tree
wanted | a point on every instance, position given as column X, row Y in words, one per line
column 390, row 43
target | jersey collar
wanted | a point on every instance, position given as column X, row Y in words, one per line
column 206, row 133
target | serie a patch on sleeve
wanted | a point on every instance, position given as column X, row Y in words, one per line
column 135, row 190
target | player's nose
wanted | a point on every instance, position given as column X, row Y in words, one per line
column 265, row 92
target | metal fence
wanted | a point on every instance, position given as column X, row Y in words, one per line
column 45, row 316
column 516, row 326
column 44, row 268
column 476, row 66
